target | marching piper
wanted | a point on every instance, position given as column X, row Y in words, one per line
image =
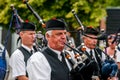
column 92, row 71
column 50, row 64
column 18, row 59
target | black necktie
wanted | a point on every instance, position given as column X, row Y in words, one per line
column 64, row 62
column 91, row 54
column 31, row 52
column 63, row 58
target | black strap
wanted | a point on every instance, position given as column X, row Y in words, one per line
column 91, row 54
column 98, row 55
column 63, row 59
column 26, row 54
column 53, row 60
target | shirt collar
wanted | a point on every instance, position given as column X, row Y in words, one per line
column 88, row 49
column 27, row 48
column 57, row 52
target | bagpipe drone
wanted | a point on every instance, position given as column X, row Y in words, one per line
column 40, row 41
column 82, row 60
column 107, row 69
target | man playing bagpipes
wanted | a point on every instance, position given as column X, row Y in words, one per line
column 96, row 70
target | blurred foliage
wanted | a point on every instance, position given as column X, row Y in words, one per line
column 90, row 12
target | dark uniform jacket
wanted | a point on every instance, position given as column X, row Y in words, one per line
column 59, row 70
column 92, row 68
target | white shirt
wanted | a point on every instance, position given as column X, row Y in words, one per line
column 103, row 56
column 17, row 63
column 58, row 53
column 118, row 54
column 60, row 57
column 38, row 67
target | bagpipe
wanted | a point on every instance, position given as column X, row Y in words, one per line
column 34, row 13
column 82, row 62
column 17, row 20
column 107, row 69
column 77, row 67
column 40, row 41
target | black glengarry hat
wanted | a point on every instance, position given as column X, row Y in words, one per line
column 27, row 26
column 91, row 30
column 55, row 24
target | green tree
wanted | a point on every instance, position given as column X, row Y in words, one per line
column 90, row 12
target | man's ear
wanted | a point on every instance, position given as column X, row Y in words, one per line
column 47, row 36
column 21, row 33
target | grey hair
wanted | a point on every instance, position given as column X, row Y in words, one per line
column 49, row 32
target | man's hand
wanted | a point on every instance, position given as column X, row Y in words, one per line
column 22, row 77
column 95, row 78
